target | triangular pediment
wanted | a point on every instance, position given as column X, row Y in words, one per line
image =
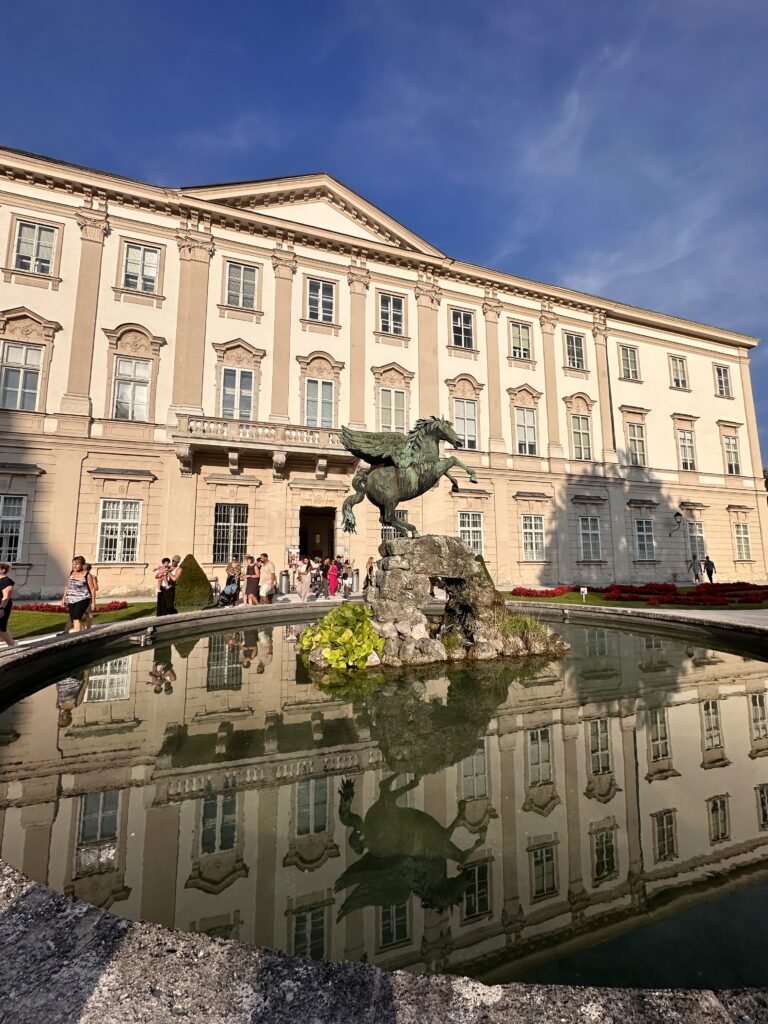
column 314, row 201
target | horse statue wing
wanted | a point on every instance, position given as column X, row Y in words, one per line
column 383, row 449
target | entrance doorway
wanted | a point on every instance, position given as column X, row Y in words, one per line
column 317, row 531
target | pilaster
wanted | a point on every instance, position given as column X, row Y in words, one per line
column 195, row 251
column 284, row 265
column 576, row 893
column 755, row 459
column 359, row 279
column 94, row 225
column 428, row 297
column 548, row 321
column 511, row 914
column 160, row 865
column 600, row 334
column 491, row 311
column 632, row 803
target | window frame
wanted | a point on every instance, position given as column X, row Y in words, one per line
column 590, row 556
column 5, row 547
column 229, row 266
column 732, row 455
column 519, row 356
column 641, row 543
column 16, row 275
column 688, row 463
column 694, row 528
column 528, row 411
column 541, row 771
column 611, row 869
column 665, row 826
column 599, row 731
column 723, row 380
column 719, row 818
column 131, row 341
column 469, row 771
column 321, row 320
column 309, row 915
column 22, row 369
column 120, row 540
column 637, row 450
column 479, row 886
column 134, row 381
column 397, row 939
column 144, row 249
column 320, row 425
column 388, row 389
column 466, row 318
column 232, row 526
column 471, row 531
column 581, row 432
column 531, row 531
column 571, row 356
column 742, row 542
column 224, row 818
column 381, row 296
column 686, row 380
column 633, row 373
column 238, row 393
column 470, row 444
column 547, row 854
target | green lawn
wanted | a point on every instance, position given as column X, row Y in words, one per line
column 575, row 598
column 38, row 623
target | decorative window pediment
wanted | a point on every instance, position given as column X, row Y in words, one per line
column 22, row 324
column 579, row 404
column 524, row 396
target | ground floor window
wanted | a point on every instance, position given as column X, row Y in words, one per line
column 11, row 526
column 543, row 871
column 664, row 835
column 230, row 532
column 743, row 546
column 719, row 819
column 604, row 853
column 109, row 681
column 309, row 933
column 589, row 538
column 644, row 546
column 696, row 540
column 219, row 827
column 394, row 924
column 389, row 532
column 97, row 835
column 224, row 671
column 533, row 538
column 119, row 523
column 471, row 530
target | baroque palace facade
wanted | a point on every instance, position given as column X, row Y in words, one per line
column 176, row 364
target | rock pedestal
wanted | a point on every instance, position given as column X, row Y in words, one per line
column 473, row 612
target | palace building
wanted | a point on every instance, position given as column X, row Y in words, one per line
column 175, row 365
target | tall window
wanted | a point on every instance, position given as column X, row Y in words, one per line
column 696, row 539
column 394, row 925
column 761, row 792
column 520, row 335
column 320, row 301
column 533, row 538
column 644, row 545
column 236, row 393
column 525, row 420
column 574, row 351
column 582, row 442
column 723, row 382
column 97, row 835
column 109, row 681
column 319, row 400
column 471, row 530
column 392, row 409
column 713, row 737
column 119, row 524
column 20, row 376
column 758, row 716
column 743, row 546
column 604, row 853
column 589, row 538
column 230, row 532
column 476, row 894
column 636, row 439
column 241, row 286
column 678, row 372
column 596, row 643
column 719, row 819
column 732, row 460
column 311, row 806
column 462, row 326
column 224, row 670
column 687, row 449
column 391, row 314
column 389, row 532
column 664, row 835
column 473, row 775
column 630, row 369
column 34, row 247
column 539, row 756
column 309, row 933
column 543, row 871
column 141, row 268
column 131, row 395
column 219, row 827
column 599, row 747
column 12, row 507
column 659, row 734
column 465, row 421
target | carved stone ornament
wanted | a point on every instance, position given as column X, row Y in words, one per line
column 25, row 325
column 233, row 461
column 579, row 404
column 184, row 455
column 358, row 279
column 93, row 224
column 195, row 247
column 134, row 339
column 541, row 799
column 464, row 386
column 284, row 264
column 547, row 319
column 307, row 853
column 392, row 375
column 599, row 326
column 239, row 353
column 524, row 396
column 602, row 788
column 278, row 466
column 492, row 309
column 428, row 295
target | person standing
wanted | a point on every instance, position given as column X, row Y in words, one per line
column 70, row 693
column 334, row 574
column 325, row 569
column 252, row 573
column 709, row 567
column 6, row 603
column 368, row 581
column 234, row 574
column 303, row 571
column 92, row 607
column 696, row 569
column 79, row 594
column 166, row 598
column 267, row 580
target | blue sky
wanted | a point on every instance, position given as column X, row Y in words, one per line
column 616, row 147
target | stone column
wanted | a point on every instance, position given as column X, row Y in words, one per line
column 359, row 280
column 428, row 298
column 511, row 913
column 266, row 867
column 491, row 312
column 160, row 865
column 37, row 821
column 600, row 334
column 755, row 459
column 195, row 251
column 632, row 805
column 94, row 225
column 548, row 320
column 284, row 263
column 576, row 893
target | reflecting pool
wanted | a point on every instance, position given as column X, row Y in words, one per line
column 597, row 820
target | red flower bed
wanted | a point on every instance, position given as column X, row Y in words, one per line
column 690, row 601
column 42, row 606
column 728, row 588
column 554, row 592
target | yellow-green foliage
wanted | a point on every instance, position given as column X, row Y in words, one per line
column 513, row 624
column 345, row 637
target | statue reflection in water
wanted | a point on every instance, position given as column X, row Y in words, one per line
column 403, row 851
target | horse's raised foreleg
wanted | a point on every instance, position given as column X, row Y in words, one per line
column 401, row 526
column 453, row 461
column 454, row 481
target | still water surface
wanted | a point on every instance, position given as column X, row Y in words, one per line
column 598, row 820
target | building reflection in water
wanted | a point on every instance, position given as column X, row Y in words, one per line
column 457, row 819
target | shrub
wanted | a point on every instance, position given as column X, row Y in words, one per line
column 193, row 590
column 345, row 637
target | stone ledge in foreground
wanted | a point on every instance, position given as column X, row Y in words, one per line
column 65, row 962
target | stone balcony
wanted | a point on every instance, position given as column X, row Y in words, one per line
column 238, row 437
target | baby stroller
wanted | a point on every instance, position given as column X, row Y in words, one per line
column 228, row 596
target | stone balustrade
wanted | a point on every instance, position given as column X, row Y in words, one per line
column 237, row 432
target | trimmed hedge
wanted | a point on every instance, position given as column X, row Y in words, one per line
column 193, row 591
